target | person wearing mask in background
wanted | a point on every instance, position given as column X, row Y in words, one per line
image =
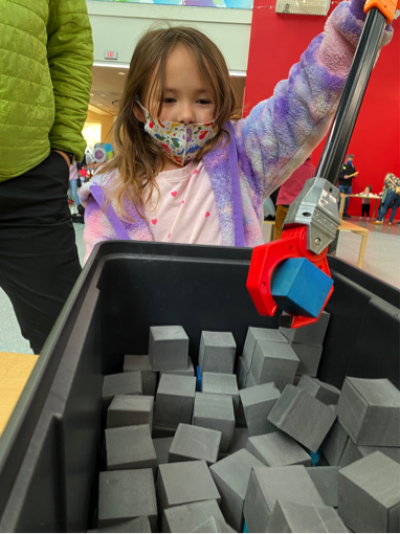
column 346, row 181
column 46, row 61
column 392, row 199
column 289, row 191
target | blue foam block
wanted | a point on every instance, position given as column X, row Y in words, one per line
column 300, row 288
column 199, row 378
column 315, row 457
column 246, row 528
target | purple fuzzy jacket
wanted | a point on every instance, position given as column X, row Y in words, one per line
column 274, row 140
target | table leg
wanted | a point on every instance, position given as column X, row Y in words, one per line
column 377, row 202
column 341, row 208
column 364, row 238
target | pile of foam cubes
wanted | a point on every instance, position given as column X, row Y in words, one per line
column 254, row 443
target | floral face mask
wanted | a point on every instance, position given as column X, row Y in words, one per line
column 178, row 141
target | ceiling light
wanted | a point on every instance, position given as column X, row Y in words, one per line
column 306, row 7
column 242, row 73
column 112, row 65
column 122, row 73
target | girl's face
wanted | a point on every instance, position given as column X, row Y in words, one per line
column 187, row 97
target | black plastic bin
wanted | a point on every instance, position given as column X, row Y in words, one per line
column 50, row 449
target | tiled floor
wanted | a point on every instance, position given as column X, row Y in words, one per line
column 382, row 259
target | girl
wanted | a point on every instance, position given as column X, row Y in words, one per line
column 184, row 172
column 365, row 202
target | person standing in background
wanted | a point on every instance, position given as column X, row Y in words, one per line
column 391, row 199
column 46, row 72
column 73, row 186
column 346, row 181
column 289, row 191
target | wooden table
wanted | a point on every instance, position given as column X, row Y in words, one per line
column 346, row 226
column 15, row 369
column 271, row 226
column 343, row 198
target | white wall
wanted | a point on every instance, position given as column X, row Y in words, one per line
column 118, row 26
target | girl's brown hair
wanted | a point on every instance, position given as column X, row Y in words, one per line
column 138, row 158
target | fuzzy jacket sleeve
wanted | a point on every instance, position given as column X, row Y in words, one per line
column 97, row 226
column 281, row 132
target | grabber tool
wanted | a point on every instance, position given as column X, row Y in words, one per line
column 292, row 273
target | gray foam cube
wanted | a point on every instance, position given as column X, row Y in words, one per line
column 240, row 418
column 390, row 452
column 239, row 439
column 127, row 410
column 322, row 391
column 309, row 355
column 335, row 444
column 141, row 524
column 174, row 400
column 296, row 379
column 215, row 412
column 168, row 348
column 130, row 447
column 241, row 372
column 350, row 454
column 188, row 370
column 268, row 484
column 277, row 449
column 304, row 418
column 221, row 384
column 232, row 477
column 188, row 517
column 293, row 517
column 121, row 384
column 195, row 443
column 312, row 333
column 257, row 402
column 273, row 362
column 126, row 494
column 214, row 525
column 369, row 411
column 369, row 494
column 143, row 365
column 183, row 483
column 353, row 452
column 217, row 352
column 259, row 334
column 326, row 482
column 162, row 446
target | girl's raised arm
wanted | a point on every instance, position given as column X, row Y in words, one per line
column 281, row 132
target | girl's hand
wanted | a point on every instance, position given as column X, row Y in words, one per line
column 357, row 8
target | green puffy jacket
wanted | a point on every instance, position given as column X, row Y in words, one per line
column 46, row 56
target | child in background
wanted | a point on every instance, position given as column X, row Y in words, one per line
column 184, row 172
column 365, row 202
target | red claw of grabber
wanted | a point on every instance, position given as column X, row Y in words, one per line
column 265, row 259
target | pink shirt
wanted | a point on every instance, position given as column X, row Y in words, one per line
column 73, row 172
column 186, row 211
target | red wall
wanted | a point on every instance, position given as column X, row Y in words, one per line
column 277, row 42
